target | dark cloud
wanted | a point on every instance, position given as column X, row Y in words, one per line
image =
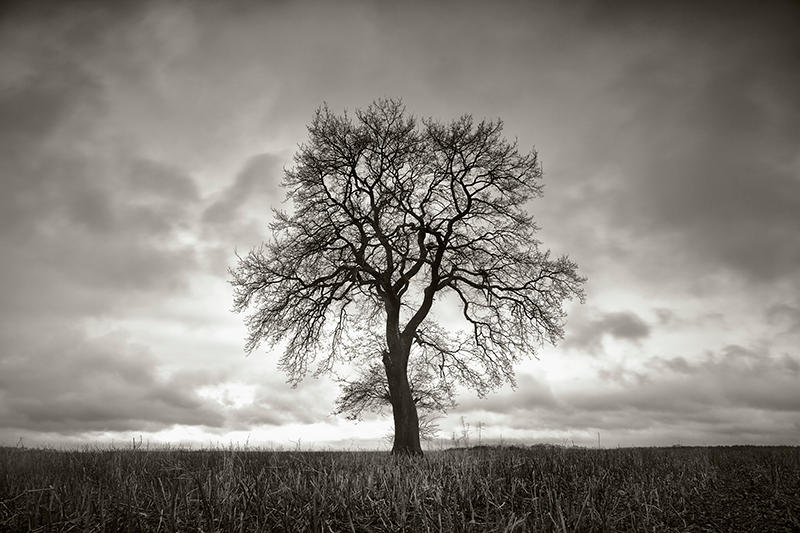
column 734, row 377
column 586, row 332
column 238, row 215
column 64, row 382
column 708, row 144
column 786, row 316
column 91, row 244
column 735, row 393
column 530, row 393
column 82, row 223
column 256, row 183
column 679, row 160
column 156, row 181
column 31, row 111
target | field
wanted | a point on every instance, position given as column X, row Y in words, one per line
column 540, row 488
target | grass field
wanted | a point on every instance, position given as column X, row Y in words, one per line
column 480, row 489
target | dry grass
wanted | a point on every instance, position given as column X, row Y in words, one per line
column 482, row 489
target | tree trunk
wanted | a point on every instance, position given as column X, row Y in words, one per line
column 406, row 421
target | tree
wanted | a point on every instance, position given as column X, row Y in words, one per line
column 387, row 213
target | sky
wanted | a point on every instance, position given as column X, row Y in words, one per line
column 142, row 144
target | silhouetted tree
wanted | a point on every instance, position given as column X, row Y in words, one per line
column 387, row 212
column 431, row 393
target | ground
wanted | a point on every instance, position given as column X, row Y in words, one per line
column 541, row 488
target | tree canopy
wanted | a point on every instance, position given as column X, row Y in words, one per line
column 386, row 213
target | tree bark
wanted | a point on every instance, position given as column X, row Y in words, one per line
column 404, row 410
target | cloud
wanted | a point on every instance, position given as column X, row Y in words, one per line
column 87, row 220
column 530, row 393
column 785, row 315
column 741, row 377
column 668, row 134
column 587, row 333
column 277, row 404
column 237, row 216
column 673, row 157
column 254, row 184
column 736, row 394
column 89, row 244
column 67, row 383
column 37, row 105
column 707, row 145
column 161, row 182
column 57, row 380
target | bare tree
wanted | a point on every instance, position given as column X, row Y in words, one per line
column 387, row 213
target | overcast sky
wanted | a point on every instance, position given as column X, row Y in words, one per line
column 141, row 144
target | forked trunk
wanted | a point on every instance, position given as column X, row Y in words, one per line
column 404, row 410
